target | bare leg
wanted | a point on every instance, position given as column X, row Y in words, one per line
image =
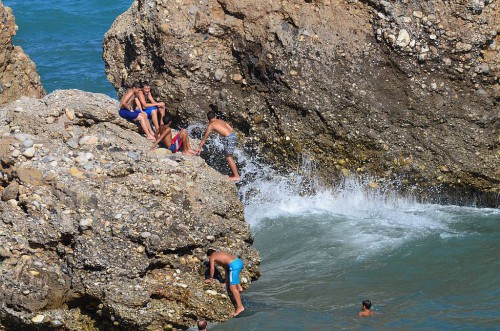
column 186, row 147
column 240, row 288
column 237, row 298
column 146, row 127
column 154, row 117
column 161, row 108
column 232, row 165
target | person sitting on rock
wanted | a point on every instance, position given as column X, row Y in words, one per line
column 233, row 266
column 150, row 106
column 131, row 113
column 180, row 141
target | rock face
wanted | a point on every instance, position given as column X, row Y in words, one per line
column 18, row 74
column 97, row 232
column 407, row 92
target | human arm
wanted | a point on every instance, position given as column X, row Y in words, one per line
column 138, row 104
column 163, row 134
column 226, row 269
column 150, row 102
column 125, row 101
column 202, row 142
column 212, row 270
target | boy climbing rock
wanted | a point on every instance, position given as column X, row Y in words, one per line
column 229, row 140
column 233, row 266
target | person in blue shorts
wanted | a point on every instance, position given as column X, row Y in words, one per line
column 136, row 114
column 175, row 144
column 150, row 106
column 233, row 266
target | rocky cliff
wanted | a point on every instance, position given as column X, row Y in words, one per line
column 18, row 74
column 97, row 232
column 404, row 92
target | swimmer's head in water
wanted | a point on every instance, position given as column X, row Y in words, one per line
column 367, row 304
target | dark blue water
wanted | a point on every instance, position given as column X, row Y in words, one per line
column 64, row 39
column 425, row 267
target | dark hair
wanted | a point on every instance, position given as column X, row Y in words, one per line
column 210, row 251
column 210, row 115
column 202, row 325
column 145, row 83
column 367, row 303
column 166, row 119
column 136, row 85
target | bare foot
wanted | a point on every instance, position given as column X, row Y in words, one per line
column 234, row 178
column 152, row 138
column 238, row 311
column 189, row 153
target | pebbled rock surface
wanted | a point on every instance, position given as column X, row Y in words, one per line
column 99, row 233
column 18, row 75
column 404, row 92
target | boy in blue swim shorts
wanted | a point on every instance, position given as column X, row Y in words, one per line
column 155, row 110
column 131, row 110
column 233, row 266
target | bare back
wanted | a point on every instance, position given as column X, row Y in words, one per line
column 221, row 127
column 223, row 258
column 126, row 100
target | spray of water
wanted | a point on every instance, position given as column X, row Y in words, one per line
column 352, row 211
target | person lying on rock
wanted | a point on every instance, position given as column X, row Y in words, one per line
column 233, row 266
column 179, row 142
column 229, row 140
column 150, row 106
column 131, row 113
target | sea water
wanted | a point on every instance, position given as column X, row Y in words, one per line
column 64, row 39
column 324, row 249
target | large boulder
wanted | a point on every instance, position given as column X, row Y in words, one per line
column 97, row 232
column 407, row 92
column 18, row 75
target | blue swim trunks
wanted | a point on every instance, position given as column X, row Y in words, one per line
column 149, row 110
column 235, row 268
column 129, row 115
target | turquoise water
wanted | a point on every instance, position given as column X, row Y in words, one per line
column 64, row 39
column 424, row 266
